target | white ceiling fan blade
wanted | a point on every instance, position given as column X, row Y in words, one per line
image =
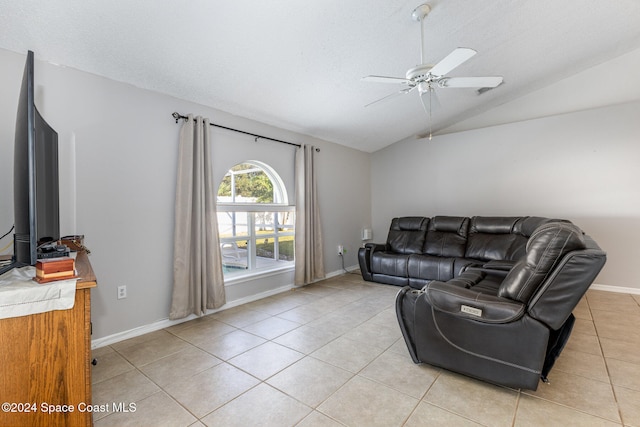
column 385, row 79
column 451, row 61
column 393, row 95
column 470, row 81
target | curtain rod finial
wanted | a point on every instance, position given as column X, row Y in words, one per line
column 176, row 116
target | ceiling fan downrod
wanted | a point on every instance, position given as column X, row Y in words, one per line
column 419, row 13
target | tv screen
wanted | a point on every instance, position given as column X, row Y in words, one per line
column 35, row 176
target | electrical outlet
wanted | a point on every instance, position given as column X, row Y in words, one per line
column 340, row 250
column 122, row 292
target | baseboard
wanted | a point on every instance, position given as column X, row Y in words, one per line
column 619, row 289
column 349, row 269
column 165, row 323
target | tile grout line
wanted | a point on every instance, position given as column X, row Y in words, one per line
column 306, row 354
column 606, row 364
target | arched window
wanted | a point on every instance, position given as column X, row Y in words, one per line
column 255, row 221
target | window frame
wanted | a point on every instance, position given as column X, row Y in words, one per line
column 252, row 209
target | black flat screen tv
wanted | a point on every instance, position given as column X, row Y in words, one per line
column 35, row 177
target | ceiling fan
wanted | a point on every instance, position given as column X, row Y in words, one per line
column 427, row 77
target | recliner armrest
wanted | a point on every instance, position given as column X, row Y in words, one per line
column 503, row 265
column 374, row 247
column 472, row 304
column 364, row 258
column 371, row 248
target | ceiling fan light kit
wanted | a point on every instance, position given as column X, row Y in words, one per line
column 427, row 77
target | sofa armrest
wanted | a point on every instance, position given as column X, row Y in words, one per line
column 374, row 247
column 474, row 305
column 503, row 265
column 371, row 248
column 364, row 258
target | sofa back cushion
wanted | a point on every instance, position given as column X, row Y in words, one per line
column 495, row 238
column 528, row 224
column 407, row 234
column 544, row 250
column 447, row 236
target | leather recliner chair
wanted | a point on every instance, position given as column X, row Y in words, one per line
column 509, row 327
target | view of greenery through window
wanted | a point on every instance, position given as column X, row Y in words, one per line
column 250, row 183
column 254, row 236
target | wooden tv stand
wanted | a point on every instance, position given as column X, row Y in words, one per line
column 45, row 362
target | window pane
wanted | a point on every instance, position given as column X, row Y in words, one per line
column 286, row 221
column 285, row 248
column 264, row 222
column 234, row 256
column 232, row 224
column 252, row 238
column 246, row 183
column 264, row 247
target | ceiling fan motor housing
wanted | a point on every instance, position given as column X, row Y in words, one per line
column 420, row 73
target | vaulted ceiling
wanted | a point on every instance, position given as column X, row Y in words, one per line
column 298, row 65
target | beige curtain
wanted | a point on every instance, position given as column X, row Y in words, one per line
column 308, row 245
column 198, row 283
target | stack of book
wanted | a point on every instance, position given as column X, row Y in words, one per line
column 50, row 269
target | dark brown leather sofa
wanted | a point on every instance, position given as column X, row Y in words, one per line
column 500, row 311
column 420, row 249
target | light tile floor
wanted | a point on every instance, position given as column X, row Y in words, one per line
column 331, row 354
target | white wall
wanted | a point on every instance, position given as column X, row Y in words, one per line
column 118, row 147
column 581, row 166
column 612, row 82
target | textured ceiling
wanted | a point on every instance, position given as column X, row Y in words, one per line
column 297, row 65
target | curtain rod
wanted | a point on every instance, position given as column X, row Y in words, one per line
column 179, row 116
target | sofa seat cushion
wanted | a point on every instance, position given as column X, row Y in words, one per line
column 489, row 285
column 389, row 263
column 431, row 267
column 478, row 280
column 468, row 279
